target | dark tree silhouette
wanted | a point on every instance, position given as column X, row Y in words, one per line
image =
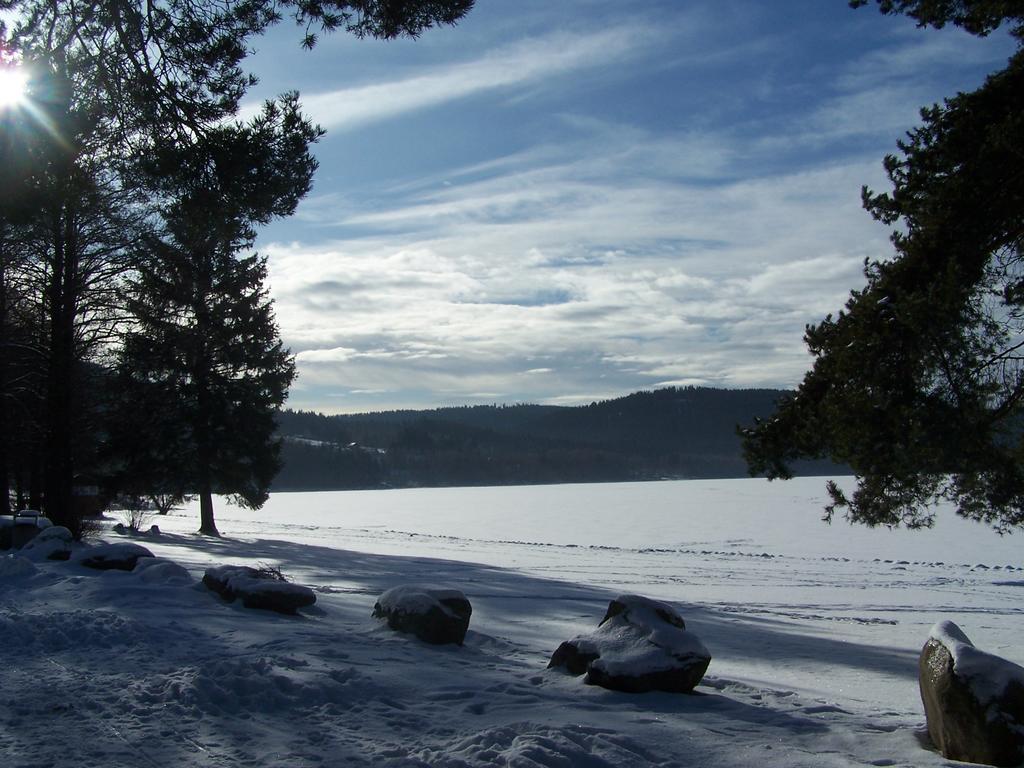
column 119, row 82
column 65, row 220
column 204, row 352
column 165, row 70
column 918, row 383
column 668, row 433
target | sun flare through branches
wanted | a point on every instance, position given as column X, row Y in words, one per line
column 13, row 86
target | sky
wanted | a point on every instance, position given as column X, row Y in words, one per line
column 567, row 202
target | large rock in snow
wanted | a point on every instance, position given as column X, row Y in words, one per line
column 258, row 588
column 119, row 557
column 640, row 645
column 53, row 543
column 973, row 701
column 158, row 570
column 438, row 616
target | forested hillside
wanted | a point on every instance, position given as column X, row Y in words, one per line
column 668, row 433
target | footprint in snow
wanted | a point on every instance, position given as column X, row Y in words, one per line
column 824, row 709
column 875, row 728
column 452, row 696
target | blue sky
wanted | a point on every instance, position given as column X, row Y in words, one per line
column 567, row 201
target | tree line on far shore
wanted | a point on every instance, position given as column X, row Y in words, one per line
column 669, row 433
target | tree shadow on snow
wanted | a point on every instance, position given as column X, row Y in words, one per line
column 503, row 597
column 518, row 620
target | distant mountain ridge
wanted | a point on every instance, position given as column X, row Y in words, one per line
column 672, row 433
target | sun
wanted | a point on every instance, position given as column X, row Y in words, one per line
column 13, row 86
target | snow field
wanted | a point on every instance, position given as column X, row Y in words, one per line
column 814, row 646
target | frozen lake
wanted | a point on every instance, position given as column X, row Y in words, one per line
column 780, row 518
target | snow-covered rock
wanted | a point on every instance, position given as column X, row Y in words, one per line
column 258, row 588
column 122, row 556
column 973, row 700
column 437, row 616
column 58, row 532
column 640, row 645
column 159, row 570
column 53, row 543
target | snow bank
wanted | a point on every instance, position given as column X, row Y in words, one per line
column 16, row 567
column 533, row 744
column 273, row 685
column 69, row 630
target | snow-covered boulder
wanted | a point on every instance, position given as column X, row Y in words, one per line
column 437, row 616
column 640, row 645
column 55, row 532
column 105, row 557
column 258, row 588
column 973, row 701
column 159, row 570
column 53, row 543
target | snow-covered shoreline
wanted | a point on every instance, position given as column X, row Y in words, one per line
column 814, row 656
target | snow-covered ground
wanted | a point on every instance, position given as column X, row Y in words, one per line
column 814, row 632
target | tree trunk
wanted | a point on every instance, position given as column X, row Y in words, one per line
column 201, row 427
column 60, row 417
column 5, row 431
column 5, row 482
column 35, row 482
column 207, row 526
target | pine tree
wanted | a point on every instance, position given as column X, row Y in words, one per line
column 205, row 355
column 207, row 361
column 65, row 219
column 918, row 384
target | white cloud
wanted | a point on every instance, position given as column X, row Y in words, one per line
column 335, row 355
column 612, row 256
column 683, row 282
column 526, row 63
column 917, row 54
